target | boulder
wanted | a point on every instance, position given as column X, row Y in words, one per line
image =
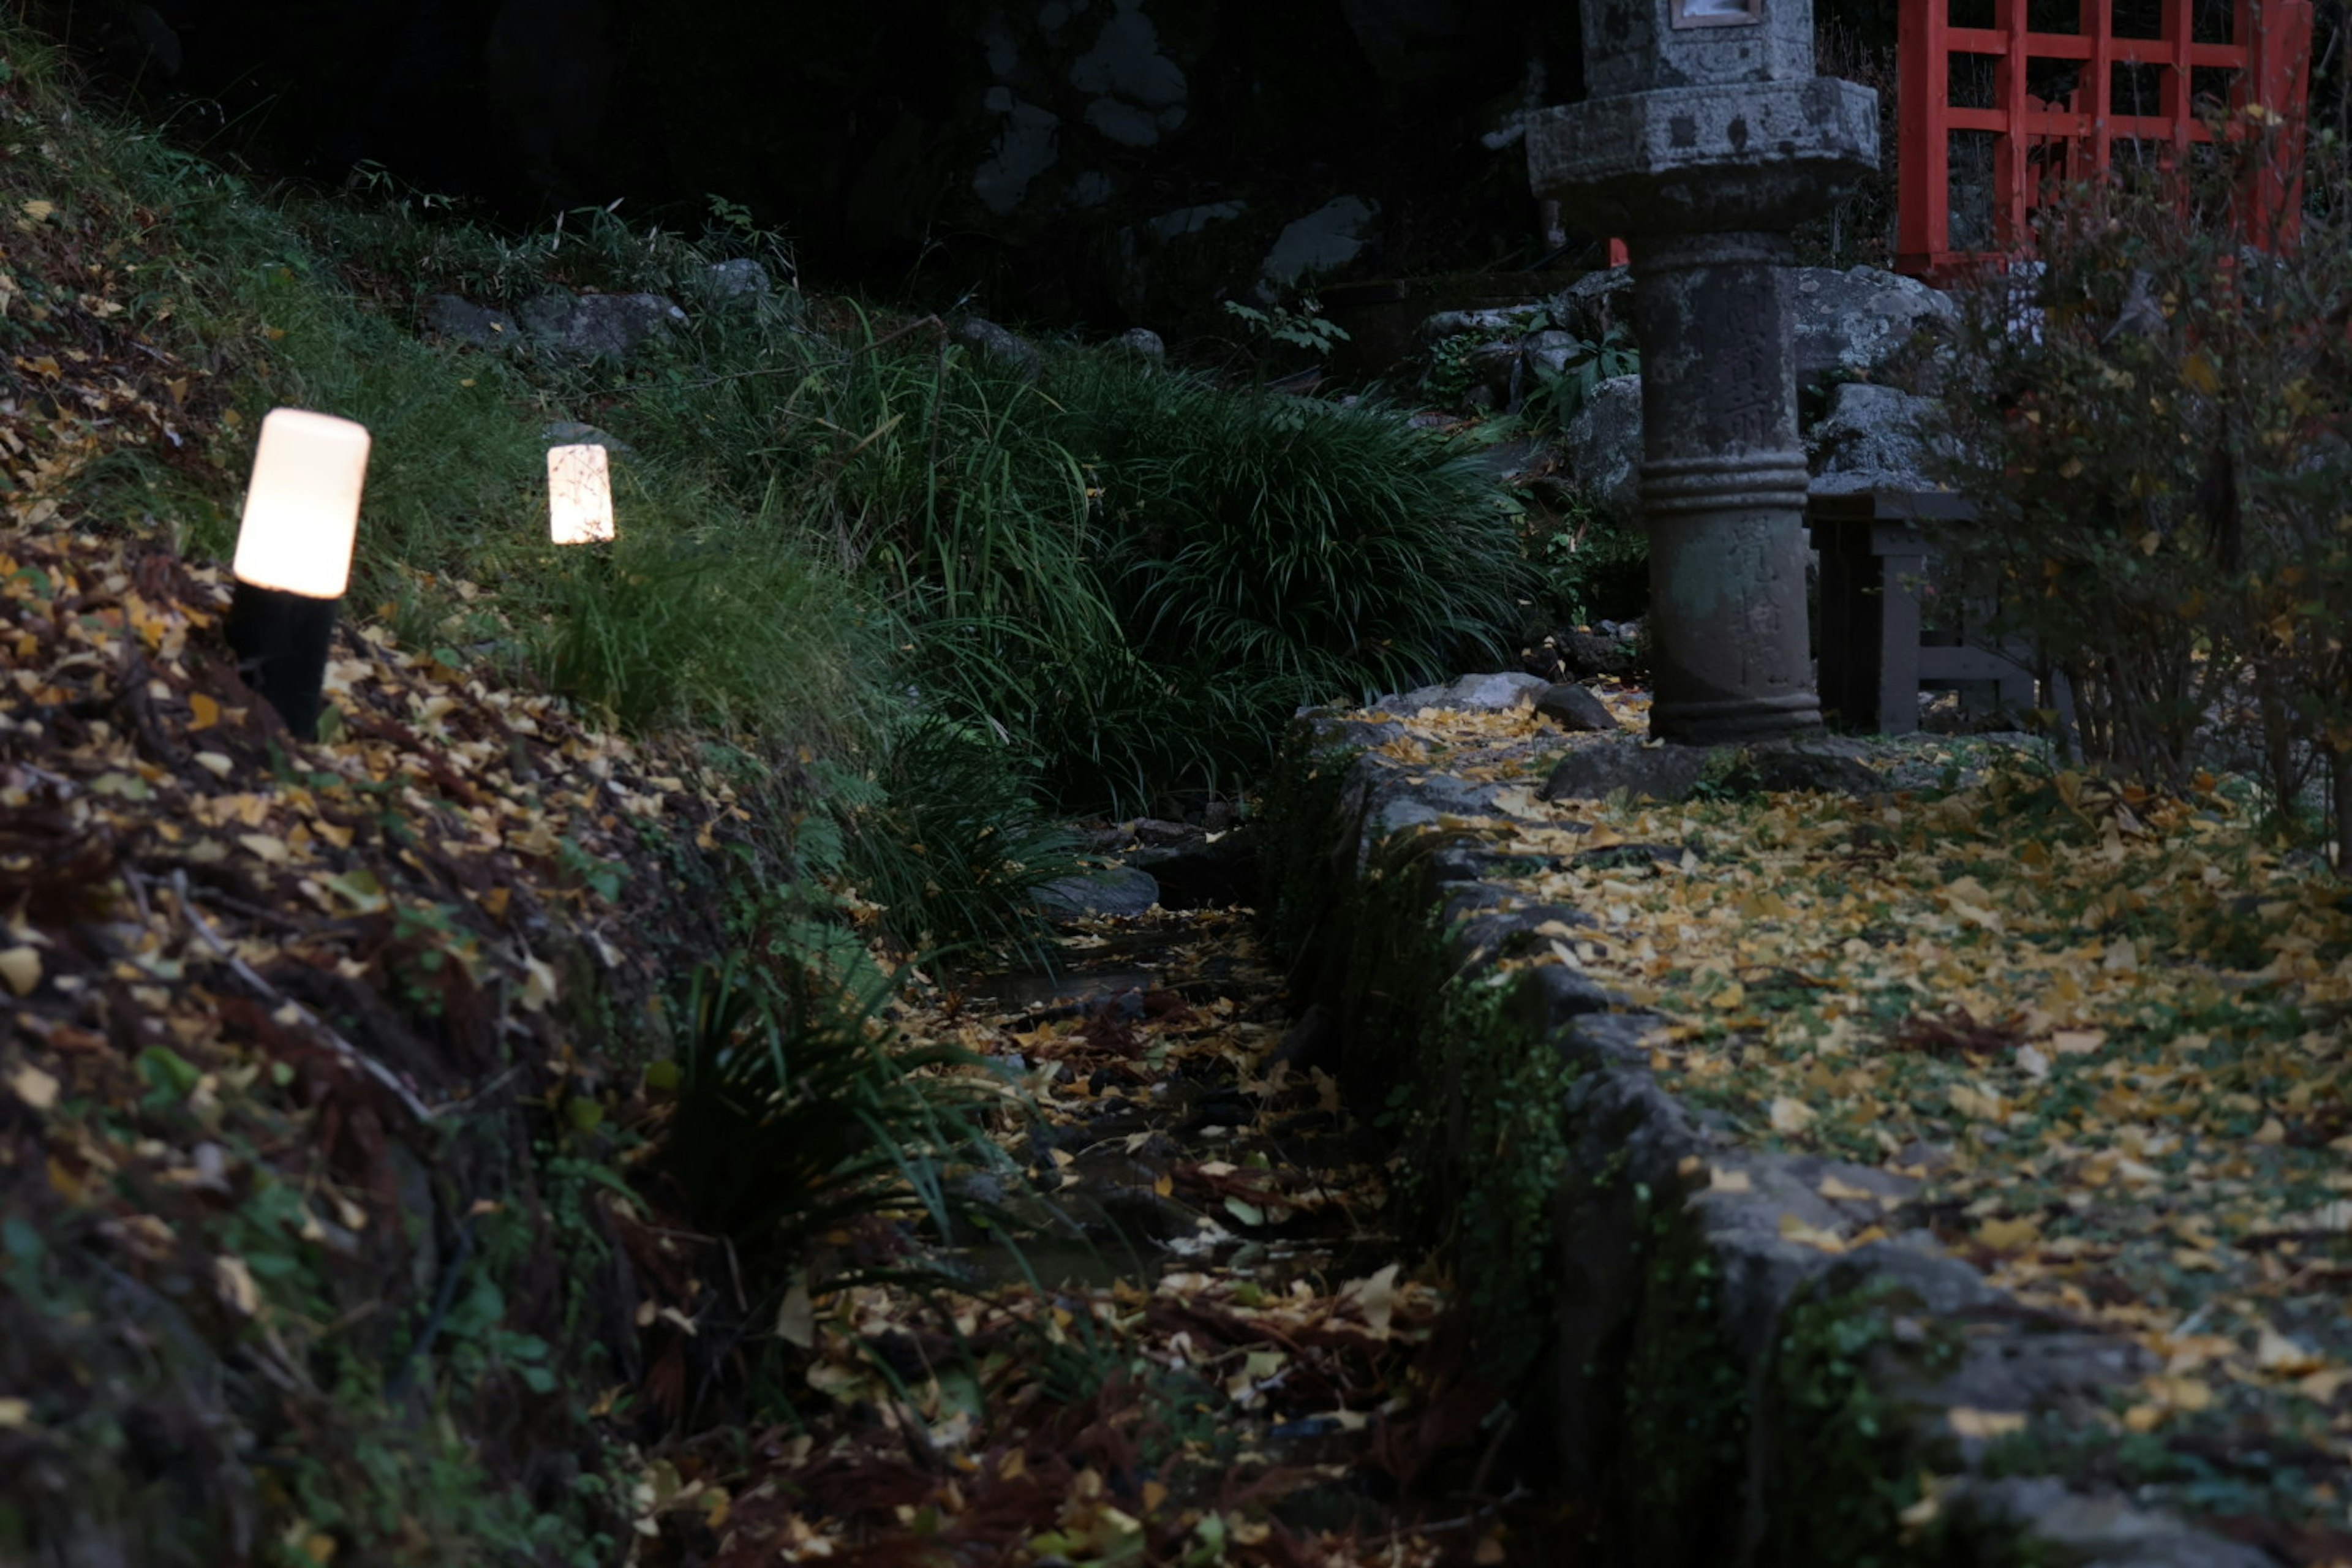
column 1546, row 354
column 1325, row 240
column 1499, row 693
column 1507, row 323
column 1572, row 707
column 460, row 320
column 1116, row 890
column 1871, row 439
column 607, row 326
column 572, row 433
column 1595, row 302
column 739, row 281
column 1003, row 345
column 1603, row 446
column 1141, row 341
column 1587, row 654
column 1823, row 767
column 1854, row 322
column 1422, row 799
column 1658, row 772
column 1204, row 871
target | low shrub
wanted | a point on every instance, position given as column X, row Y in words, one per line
column 2153, row 422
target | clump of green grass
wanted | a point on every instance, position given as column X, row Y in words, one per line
column 700, row 618
column 953, row 847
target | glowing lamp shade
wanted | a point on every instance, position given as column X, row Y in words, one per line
column 579, row 495
column 302, row 511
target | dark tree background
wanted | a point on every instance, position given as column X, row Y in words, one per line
column 859, row 129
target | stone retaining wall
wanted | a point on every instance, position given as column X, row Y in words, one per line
column 1710, row 1387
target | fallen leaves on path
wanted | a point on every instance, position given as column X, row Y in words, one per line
column 2105, row 1030
column 1255, row 1388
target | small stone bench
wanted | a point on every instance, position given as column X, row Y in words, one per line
column 1874, row 555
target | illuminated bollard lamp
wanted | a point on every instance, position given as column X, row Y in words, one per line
column 579, row 495
column 294, row 558
column 1705, row 139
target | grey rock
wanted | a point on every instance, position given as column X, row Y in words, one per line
column 1026, row 145
column 1552, row 999
column 1202, row 874
column 1491, row 933
column 1193, row 220
column 1595, row 772
column 1002, row 344
column 738, row 281
column 572, row 433
column 1603, row 446
column 1120, row 890
column 1505, row 459
column 1141, row 341
column 2099, row 1532
column 1612, row 1038
column 1853, row 321
column 1337, row 731
column 1424, row 799
column 1587, row 654
column 1871, row 438
column 1856, row 320
column 1498, row 693
column 1595, row 302
column 1325, row 240
column 459, row 319
column 1802, row 769
column 1573, row 707
column 1546, row 354
column 1509, row 321
column 1496, row 370
column 598, row 326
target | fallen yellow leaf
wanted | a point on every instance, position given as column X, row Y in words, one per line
column 234, row 1282
column 34, row 1087
column 1970, row 1422
column 2008, row 1234
column 1797, row 1230
column 21, row 968
column 2181, row 1393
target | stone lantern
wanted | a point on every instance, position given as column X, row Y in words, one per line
column 1703, row 141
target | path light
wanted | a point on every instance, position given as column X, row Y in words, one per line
column 294, row 557
column 579, row 495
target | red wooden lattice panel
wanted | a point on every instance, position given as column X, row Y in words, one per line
column 2057, row 106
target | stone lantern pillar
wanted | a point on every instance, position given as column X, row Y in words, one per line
column 1705, row 139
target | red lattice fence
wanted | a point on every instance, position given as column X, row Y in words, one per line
column 2030, row 94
